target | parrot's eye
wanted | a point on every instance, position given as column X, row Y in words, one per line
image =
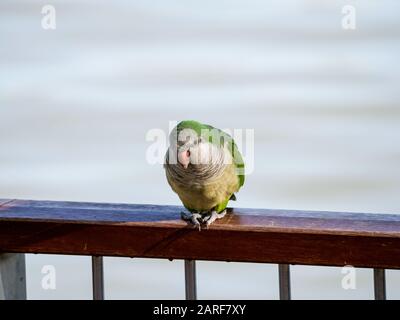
column 188, row 153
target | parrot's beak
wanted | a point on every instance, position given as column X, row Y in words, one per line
column 184, row 158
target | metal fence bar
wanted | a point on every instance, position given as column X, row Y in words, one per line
column 12, row 276
column 190, row 280
column 98, row 278
column 379, row 284
column 284, row 282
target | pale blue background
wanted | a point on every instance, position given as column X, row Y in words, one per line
column 76, row 103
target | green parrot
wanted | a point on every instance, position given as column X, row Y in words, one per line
column 205, row 168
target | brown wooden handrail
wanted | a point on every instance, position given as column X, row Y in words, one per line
column 154, row 231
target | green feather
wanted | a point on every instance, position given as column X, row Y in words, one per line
column 221, row 206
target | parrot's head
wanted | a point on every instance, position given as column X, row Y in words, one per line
column 190, row 147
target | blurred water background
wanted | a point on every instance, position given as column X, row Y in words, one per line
column 76, row 104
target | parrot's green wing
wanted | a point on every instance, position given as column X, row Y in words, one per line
column 219, row 137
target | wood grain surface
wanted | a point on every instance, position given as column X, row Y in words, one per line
column 154, row 231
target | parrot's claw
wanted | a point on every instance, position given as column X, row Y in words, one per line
column 213, row 216
column 195, row 218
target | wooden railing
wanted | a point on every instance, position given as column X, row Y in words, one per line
column 151, row 231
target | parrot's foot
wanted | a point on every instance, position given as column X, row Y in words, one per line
column 213, row 216
column 195, row 218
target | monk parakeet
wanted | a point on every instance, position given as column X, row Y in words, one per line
column 205, row 168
